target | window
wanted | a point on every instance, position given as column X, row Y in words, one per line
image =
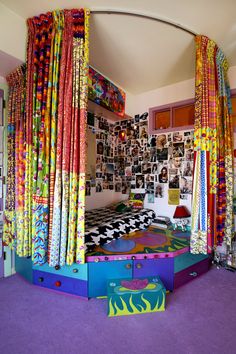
column 172, row 117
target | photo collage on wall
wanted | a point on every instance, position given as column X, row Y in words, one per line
column 104, row 163
column 128, row 158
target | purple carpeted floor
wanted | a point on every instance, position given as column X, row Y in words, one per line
column 200, row 318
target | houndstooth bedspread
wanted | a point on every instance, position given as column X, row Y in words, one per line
column 104, row 225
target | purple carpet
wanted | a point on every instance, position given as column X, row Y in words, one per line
column 200, row 318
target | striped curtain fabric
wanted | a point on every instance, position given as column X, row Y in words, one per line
column 54, row 137
column 16, row 130
column 212, row 204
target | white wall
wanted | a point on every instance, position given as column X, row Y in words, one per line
column 173, row 93
column 99, row 200
column 13, row 33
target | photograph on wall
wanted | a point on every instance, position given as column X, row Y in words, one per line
column 105, row 93
column 143, row 117
column 126, row 187
column 163, row 175
column 175, row 162
column 109, row 177
column 169, row 137
column 98, row 174
column 154, row 168
column 136, row 118
column 177, row 137
column 105, row 184
column 161, row 141
column 135, row 151
column 173, row 178
column 149, row 178
column 146, row 168
column 152, row 141
column 162, row 154
column 187, row 169
column 90, row 119
column 188, row 142
column 173, row 196
column 87, row 188
column 128, row 171
column 136, row 169
column 178, row 149
column 186, row 185
column 151, row 198
column 153, row 156
column 99, row 185
column 100, row 148
column 110, row 168
column 140, row 183
column 146, row 156
column 118, row 187
column 170, row 149
column 93, row 183
column 159, row 190
column 189, row 155
column 150, row 187
column 143, row 131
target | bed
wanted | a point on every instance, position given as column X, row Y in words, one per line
column 104, row 225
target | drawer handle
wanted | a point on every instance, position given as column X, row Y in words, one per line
column 193, row 274
column 40, row 279
column 57, row 267
column 139, row 265
column 128, row 266
column 75, row 270
column 58, row 283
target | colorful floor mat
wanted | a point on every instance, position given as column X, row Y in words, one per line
column 153, row 240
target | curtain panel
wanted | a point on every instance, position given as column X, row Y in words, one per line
column 212, row 203
column 54, row 140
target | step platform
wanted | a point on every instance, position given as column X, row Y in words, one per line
column 135, row 296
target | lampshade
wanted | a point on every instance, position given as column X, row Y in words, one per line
column 181, row 212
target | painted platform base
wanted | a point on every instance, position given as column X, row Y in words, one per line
column 135, row 296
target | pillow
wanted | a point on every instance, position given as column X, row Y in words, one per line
column 121, row 208
column 136, row 200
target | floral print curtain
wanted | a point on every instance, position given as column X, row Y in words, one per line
column 212, row 204
column 54, row 140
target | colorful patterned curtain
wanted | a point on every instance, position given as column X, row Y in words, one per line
column 212, row 204
column 54, row 140
column 15, row 203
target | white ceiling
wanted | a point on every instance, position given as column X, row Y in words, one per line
column 140, row 54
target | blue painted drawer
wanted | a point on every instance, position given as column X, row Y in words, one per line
column 163, row 267
column 99, row 273
column 77, row 271
column 186, row 260
column 192, row 272
column 58, row 282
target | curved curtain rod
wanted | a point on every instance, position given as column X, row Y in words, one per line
column 149, row 17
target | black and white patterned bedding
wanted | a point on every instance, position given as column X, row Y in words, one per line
column 104, row 225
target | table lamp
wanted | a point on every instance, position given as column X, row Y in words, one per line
column 181, row 213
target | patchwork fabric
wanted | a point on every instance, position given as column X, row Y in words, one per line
column 103, row 225
column 212, row 211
